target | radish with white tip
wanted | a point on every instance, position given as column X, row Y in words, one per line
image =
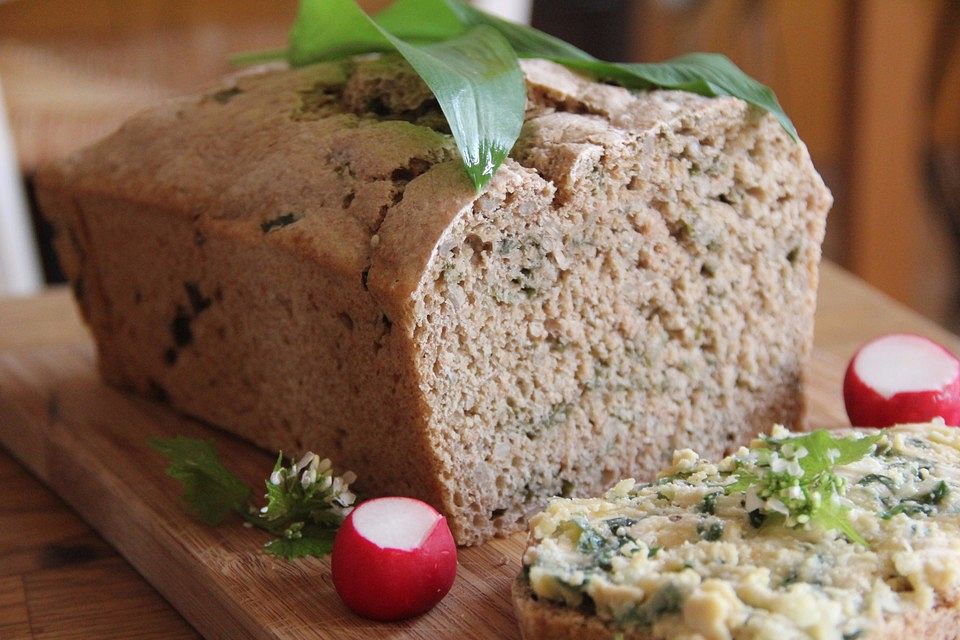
column 902, row 378
column 393, row 558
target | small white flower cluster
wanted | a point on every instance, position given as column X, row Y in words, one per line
column 788, row 460
column 781, row 489
column 311, row 471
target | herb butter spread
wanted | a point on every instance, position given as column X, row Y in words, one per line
column 819, row 535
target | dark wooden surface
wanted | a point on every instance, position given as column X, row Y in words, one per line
column 59, row 579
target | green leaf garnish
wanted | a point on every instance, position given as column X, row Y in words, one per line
column 468, row 59
column 832, row 515
column 474, row 76
column 210, row 491
column 422, row 20
column 306, row 502
column 305, row 494
column 478, row 83
column 743, row 481
column 794, row 478
column 824, row 451
column 706, row 74
column 315, row 545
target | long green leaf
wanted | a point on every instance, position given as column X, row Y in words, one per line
column 333, row 29
column 706, row 74
column 468, row 59
column 526, row 41
column 478, row 83
column 474, row 76
column 421, row 20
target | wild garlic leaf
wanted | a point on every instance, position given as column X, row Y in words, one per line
column 330, row 30
column 474, row 76
column 468, row 59
column 312, row 541
column 421, row 20
column 481, row 91
column 210, row 491
column 312, row 34
column 526, row 41
column 706, row 74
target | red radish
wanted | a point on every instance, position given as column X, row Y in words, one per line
column 902, row 378
column 393, row 558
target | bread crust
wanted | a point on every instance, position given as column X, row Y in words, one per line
column 543, row 620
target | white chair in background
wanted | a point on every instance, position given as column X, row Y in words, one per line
column 20, row 272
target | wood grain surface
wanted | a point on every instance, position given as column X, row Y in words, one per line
column 87, row 442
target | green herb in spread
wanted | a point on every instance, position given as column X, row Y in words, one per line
column 793, row 478
column 306, row 502
column 922, row 503
column 666, row 600
column 686, row 556
column 711, row 531
column 469, row 60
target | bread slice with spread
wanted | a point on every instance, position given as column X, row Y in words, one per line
column 835, row 535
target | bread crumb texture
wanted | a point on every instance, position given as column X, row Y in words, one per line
column 678, row 559
column 298, row 257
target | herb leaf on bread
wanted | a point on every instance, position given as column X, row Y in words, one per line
column 474, row 75
column 469, row 60
column 706, row 74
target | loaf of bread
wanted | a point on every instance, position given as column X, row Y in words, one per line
column 297, row 256
column 687, row 558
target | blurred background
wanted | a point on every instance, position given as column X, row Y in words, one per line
column 872, row 85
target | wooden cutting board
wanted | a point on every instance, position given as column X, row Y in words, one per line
column 87, row 442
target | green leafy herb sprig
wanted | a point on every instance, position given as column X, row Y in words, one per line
column 305, row 501
column 469, row 60
column 793, row 478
